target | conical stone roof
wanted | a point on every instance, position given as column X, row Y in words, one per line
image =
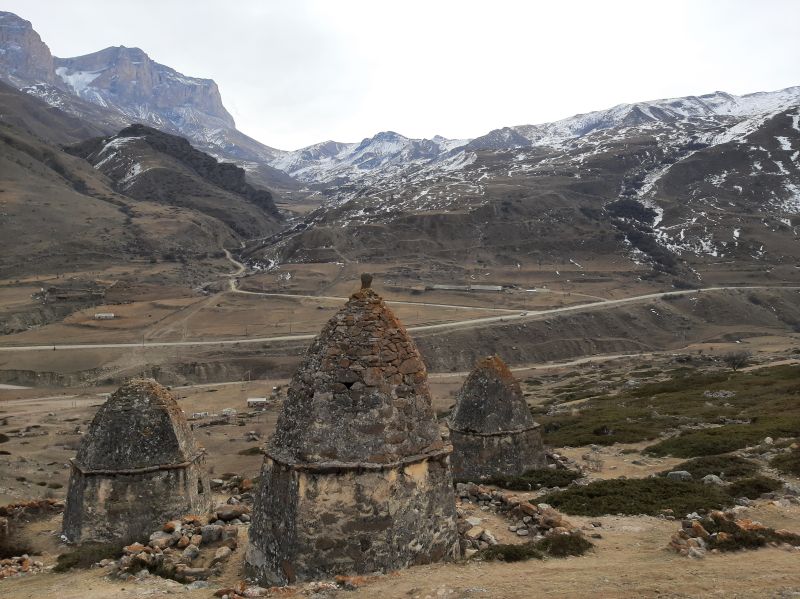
column 490, row 401
column 139, row 426
column 360, row 394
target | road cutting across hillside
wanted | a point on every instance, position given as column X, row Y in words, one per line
column 515, row 316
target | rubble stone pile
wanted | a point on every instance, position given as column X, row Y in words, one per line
column 526, row 519
column 725, row 531
column 138, row 465
column 239, row 487
column 492, row 430
column 11, row 516
column 356, row 478
column 30, row 510
column 17, row 566
column 190, row 549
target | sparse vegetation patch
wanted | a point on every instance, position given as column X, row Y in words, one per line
column 647, row 496
column 728, row 467
column 533, row 479
column 754, row 487
column 84, row 556
column 787, row 463
column 563, row 545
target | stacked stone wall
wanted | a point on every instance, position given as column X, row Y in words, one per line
column 320, row 522
column 484, row 456
column 124, row 507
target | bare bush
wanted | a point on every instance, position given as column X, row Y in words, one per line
column 737, row 359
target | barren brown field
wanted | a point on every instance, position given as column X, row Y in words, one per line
column 242, row 337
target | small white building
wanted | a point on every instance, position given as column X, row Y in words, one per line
column 199, row 415
column 104, row 316
column 228, row 412
column 256, row 402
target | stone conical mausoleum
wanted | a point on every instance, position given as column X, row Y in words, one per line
column 356, row 478
column 491, row 428
column 137, row 467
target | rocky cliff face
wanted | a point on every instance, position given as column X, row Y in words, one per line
column 23, row 54
column 118, row 86
column 129, row 80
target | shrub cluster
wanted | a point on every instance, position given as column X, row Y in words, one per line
column 555, row 546
column 532, row 479
column 84, row 556
column 787, row 463
column 648, row 496
column 728, row 467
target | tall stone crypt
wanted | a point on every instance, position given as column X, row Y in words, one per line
column 356, row 478
column 491, row 428
column 137, row 467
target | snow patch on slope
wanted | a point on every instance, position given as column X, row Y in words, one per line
column 78, row 81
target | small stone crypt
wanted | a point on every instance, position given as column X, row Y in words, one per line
column 491, row 428
column 137, row 467
column 356, row 478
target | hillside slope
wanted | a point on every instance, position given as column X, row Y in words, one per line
column 59, row 213
column 146, row 164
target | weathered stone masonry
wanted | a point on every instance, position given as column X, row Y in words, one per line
column 137, row 467
column 356, row 478
column 492, row 430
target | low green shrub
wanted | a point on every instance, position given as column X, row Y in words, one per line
column 787, row 463
column 564, row 545
column 84, row 556
column 648, row 496
column 555, row 546
column 533, row 479
column 754, row 487
column 736, row 538
column 511, row 553
column 727, row 438
column 256, row 450
column 647, row 411
column 729, row 467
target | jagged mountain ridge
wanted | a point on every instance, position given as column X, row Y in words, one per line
column 388, row 154
column 338, row 163
column 118, row 86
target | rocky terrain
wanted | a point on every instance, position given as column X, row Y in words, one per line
column 642, row 544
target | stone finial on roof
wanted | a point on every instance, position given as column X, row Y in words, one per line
column 366, row 280
column 491, row 401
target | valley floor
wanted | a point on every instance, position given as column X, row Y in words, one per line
column 630, row 560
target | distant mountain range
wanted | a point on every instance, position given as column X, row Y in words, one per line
column 683, row 184
column 389, row 153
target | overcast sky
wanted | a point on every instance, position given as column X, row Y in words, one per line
column 297, row 72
